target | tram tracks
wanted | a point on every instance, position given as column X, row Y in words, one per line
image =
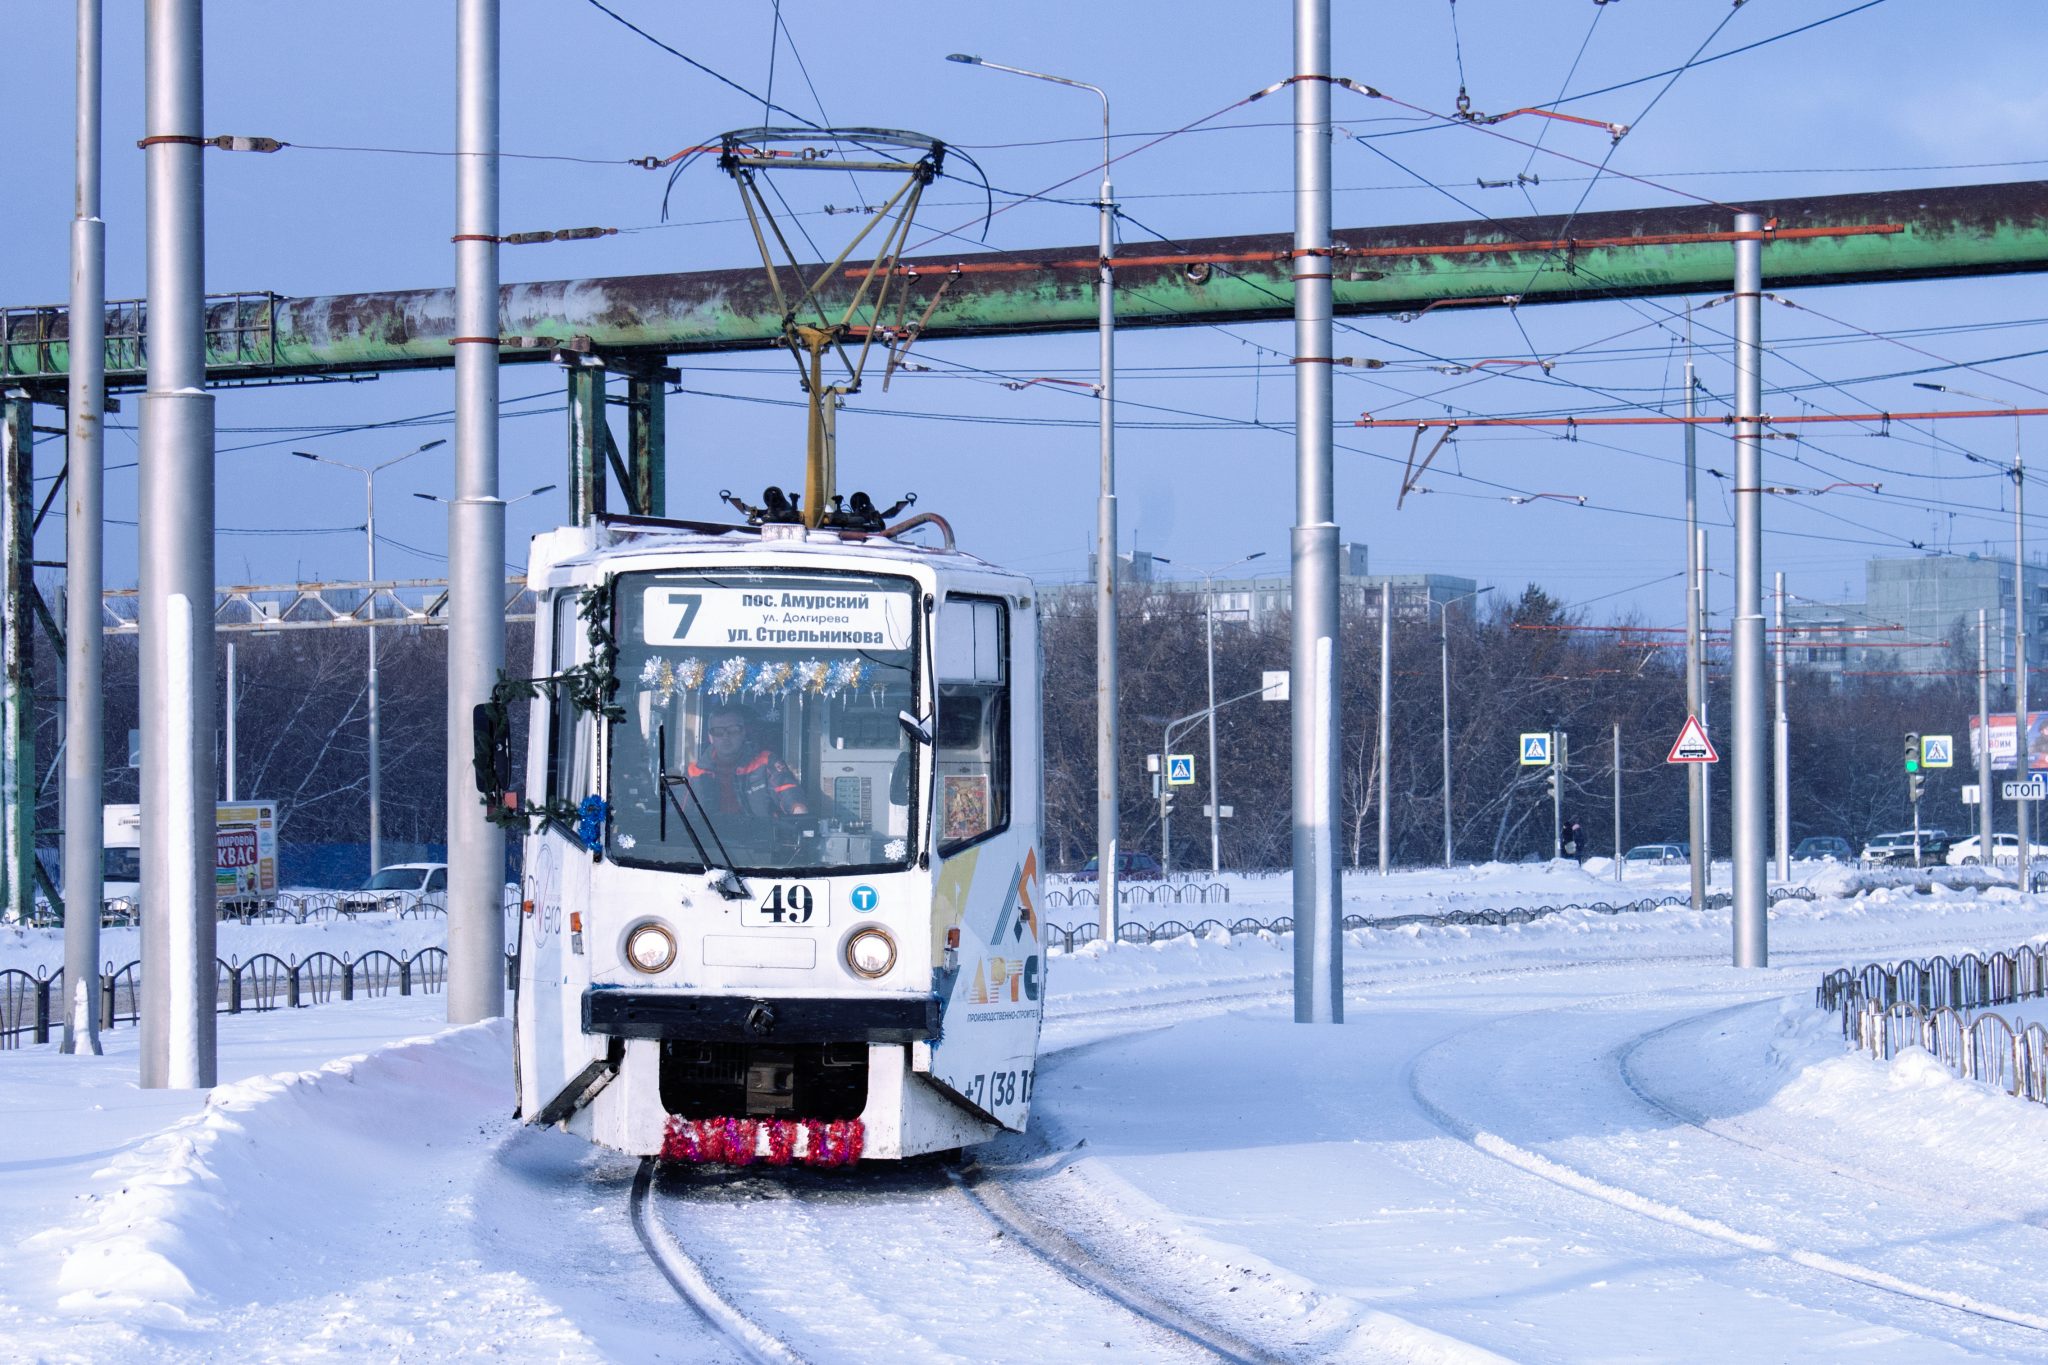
column 1526, row 1157
column 921, row 1261
column 732, row 1306
column 687, row 1278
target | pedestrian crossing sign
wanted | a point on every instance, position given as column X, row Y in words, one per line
column 1180, row 770
column 1536, row 749
column 1937, row 751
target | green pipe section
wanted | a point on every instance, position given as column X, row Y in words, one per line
column 1955, row 231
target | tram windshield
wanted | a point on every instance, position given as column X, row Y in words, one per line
column 760, row 731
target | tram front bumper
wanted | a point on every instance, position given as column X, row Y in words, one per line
column 673, row 1015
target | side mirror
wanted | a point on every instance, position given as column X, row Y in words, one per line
column 491, row 731
column 918, row 729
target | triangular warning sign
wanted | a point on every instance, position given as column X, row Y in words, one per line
column 1693, row 745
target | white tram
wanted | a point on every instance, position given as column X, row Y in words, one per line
column 782, row 795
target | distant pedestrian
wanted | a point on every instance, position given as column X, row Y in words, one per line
column 1572, row 839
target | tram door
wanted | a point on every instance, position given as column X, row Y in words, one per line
column 986, row 931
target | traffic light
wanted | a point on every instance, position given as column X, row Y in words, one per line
column 1913, row 753
column 1550, row 779
column 1166, row 802
column 1915, row 784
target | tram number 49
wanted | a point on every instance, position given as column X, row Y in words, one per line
column 786, row 905
column 993, row 1089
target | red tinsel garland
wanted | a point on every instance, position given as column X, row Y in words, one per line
column 737, row 1141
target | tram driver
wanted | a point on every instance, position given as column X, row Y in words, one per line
column 738, row 775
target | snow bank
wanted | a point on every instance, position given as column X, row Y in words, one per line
column 1856, row 881
column 1910, row 1122
column 272, row 1166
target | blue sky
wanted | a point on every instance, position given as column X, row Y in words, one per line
column 1904, row 93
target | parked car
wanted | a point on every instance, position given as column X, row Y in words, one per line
column 1659, row 855
column 1130, row 867
column 2005, row 848
column 1897, row 848
column 400, row 886
column 1817, row 846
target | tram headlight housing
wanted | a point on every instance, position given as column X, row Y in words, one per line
column 650, row 947
column 870, row 952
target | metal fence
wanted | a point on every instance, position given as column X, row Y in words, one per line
column 1070, row 938
column 1141, row 893
column 1887, row 1008
column 31, row 1003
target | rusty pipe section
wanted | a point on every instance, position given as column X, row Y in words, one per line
column 1953, row 231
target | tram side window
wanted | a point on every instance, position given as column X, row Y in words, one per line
column 571, row 732
column 973, row 749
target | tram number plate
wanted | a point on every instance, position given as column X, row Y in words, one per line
column 789, row 904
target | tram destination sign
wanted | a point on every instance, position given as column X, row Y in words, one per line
column 776, row 616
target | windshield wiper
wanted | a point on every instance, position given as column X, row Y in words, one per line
column 728, row 882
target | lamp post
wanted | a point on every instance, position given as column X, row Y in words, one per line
column 1209, row 622
column 529, row 493
column 1443, row 618
column 369, row 474
column 2022, row 750
column 1105, row 519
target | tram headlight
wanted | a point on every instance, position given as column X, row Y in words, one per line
column 650, row 947
column 870, row 952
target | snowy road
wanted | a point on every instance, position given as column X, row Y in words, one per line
column 1576, row 1140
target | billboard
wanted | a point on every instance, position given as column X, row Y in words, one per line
column 2004, row 750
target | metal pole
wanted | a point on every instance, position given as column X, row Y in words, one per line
column 1617, row 801
column 1318, row 936
column 84, row 458
column 179, row 976
column 1556, row 795
column 1444, row 642
column 2022, row 729
column 476, row 530
column 1986, row 846
column 1706, row 708
column 1106, row 828
column 1386, row 705
column 370, row 634
column 17, row 647
column 228, row 781
column 1165, row 805
column 1215, row 811
column 1781, row 734
column 1695, row 773
column 1747, row 751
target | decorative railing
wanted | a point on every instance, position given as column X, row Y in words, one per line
column 1068, row 938
column 31, row 1004
column 1886, row 1008
column 1141, row 893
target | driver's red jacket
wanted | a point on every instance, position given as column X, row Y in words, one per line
column 763, row 785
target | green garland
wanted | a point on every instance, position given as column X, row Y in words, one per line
column 590, row 687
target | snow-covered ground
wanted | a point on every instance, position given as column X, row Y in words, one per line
column 1581, row 1138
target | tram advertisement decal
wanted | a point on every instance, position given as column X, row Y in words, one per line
column 810, row 615
column 1009, row 970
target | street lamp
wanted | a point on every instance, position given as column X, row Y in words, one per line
column 2021, row 747
column 369, row 474
column 1105, row 521
column 530, row 493
column 1443, row 610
